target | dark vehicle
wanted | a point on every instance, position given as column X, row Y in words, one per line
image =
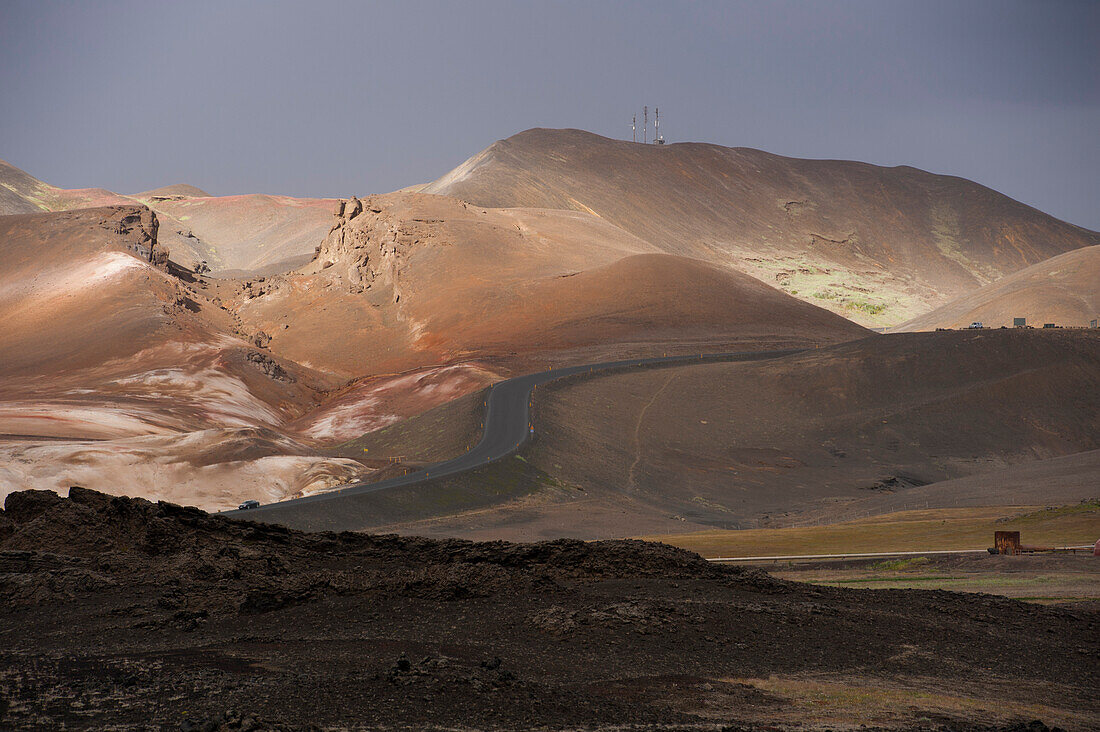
column 248, row 504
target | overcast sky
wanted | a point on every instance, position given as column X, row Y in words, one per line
column 333, row 98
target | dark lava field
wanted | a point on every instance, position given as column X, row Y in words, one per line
column 119, row 613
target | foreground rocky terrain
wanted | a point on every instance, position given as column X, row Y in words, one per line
column 123, row 614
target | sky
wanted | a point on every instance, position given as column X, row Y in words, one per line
column 333, row 98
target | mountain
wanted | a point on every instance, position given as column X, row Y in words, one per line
column 878, row 245
column 1064, row 290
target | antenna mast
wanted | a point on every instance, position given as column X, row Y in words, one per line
column 645, row 126
column 657, row 125
column 634, row 127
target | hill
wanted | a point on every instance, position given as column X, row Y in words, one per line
column 177, row 190
column 21, row 192
column 120, row 372
column 242, row 236
column 410, row 280
column 247, row 235
column 127, row 372
column 878, row 245
column 1064, row 290
column 869, row 426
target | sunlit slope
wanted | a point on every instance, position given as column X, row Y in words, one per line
column 1064, row 290
column 414, row 280
column 119, row 372
column 878, row 245
column 250, row 235
column 243, row 235
column 21, row 192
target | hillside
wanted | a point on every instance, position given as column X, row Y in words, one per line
column 1064, row 290
column 120, row 372
column 864, row 426
column 409, row 280
column 242, row 236
column 878, row 245
column 126, row 372
column 247, row 235
column 21, row 192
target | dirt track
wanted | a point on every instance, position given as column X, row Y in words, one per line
column 122, row 613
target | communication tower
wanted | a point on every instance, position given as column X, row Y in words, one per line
column 634, row 127
column 657, row 139
column 645, row 125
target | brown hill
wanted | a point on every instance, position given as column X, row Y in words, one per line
column 176, row 190
column 21, row 192
column 865, row 424
column 878, row 245
column 1064, row 290
column 249, row 235
column 118, row 374
column 110, row 341
column 412, row 280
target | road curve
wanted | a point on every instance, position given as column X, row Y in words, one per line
column 507, row 427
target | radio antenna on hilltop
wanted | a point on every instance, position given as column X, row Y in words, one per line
column 634, row 127
column 657, row 139
column 645, row 125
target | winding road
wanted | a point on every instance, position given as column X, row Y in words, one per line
column 507, row 427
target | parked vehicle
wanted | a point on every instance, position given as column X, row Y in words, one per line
column 248, row 504
column 976, row 325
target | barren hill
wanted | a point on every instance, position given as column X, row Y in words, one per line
column 234, row 235
column 176, row 190
column 878, row 245
column 120, row 371
column 209, row 391
column 406, row 280
column 21, row 192
column 246, row 235
column 738, row 445
column 1064, row 290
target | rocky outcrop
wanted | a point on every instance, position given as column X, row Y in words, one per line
column 138, row 225
column 367, row 244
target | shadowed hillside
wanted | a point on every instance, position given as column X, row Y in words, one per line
column 859, row 426
column 878, row 245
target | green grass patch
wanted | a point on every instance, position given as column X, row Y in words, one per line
column 894, row 565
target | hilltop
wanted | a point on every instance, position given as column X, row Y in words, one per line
column 877, row 245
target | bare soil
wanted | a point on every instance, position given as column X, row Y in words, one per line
column 125, row 614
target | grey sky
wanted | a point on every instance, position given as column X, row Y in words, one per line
column 330, row 98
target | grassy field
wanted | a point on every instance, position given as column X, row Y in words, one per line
column 1039, row 578
column 924, row 530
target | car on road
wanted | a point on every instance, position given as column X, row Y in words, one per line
column 248, row 504
column 976, row 325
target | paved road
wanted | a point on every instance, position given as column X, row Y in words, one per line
column 507, row 427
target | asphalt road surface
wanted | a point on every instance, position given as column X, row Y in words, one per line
column 507, row 427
